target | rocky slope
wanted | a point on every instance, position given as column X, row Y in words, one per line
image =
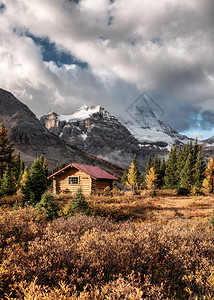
column 97, row 132
column 32, row 139
column 208, row 148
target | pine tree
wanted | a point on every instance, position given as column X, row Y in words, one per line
column 6, row 150
column 196, row 149
column 162, row 173
column 8, row 184
column 186, row 176
column 180, row 163
column 156, row 166
column 36, row 183
column 198, row 172
column 186, row 152
column 51, row 208
column 148, row 165
column 17, row 168
column 141, row 181
column 151, row 179
column 170, row 178
column 79, row 204
column 135, row 162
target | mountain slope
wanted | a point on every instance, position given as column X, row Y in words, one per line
column 97, row 132
column 143, row 123
column 32, row 139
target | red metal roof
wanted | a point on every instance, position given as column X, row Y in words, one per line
column 95, row 172
column 92, row 171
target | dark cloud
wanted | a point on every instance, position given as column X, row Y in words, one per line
column 109, row 52
column 207, row 120
column 2, row 7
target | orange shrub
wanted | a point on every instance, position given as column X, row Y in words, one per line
column 93, row 258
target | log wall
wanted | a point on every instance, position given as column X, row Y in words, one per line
column 62, row 182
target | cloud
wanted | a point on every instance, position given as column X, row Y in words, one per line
column 162, row 47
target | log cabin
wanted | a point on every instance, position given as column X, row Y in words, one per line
column 74, row 176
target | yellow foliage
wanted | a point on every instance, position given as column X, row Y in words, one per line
column 207, row 186
column 151, row 179
column 210, row 168
column 208, row 181
column 132, row 177
column 24, row 178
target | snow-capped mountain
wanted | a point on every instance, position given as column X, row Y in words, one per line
column 96, row 131
column 31, row 139
column 143, row 123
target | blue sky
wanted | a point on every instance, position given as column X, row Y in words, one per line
column 61, row 54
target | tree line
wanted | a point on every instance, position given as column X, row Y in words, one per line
column 185, row 170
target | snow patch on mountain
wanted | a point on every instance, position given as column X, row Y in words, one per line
column 83, row 113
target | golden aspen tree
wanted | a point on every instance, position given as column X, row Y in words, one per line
column 208, row 183
column 151, row 178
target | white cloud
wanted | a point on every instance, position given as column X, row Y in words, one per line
column 163, row 47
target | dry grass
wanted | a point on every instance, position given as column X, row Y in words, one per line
column 169, row 256
column 86, row 257
column 166, row 205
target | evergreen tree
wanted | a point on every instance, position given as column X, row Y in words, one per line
column 170, row 178
column 186, row 152
column 141, row 181
column 148, row 165
column 79, row 204
column 186, row 176
column 17, row 168
column 180, row 162
column 135, row 162
column 162, row 173
column 51, row 208
column 36, row 183
column 43, row 163
column 151, row 179
column 196, row 149
column 156, row 166
column 6, row 150
column 198, row 172
column 8, row 184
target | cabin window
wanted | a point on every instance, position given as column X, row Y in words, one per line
column 73, row 180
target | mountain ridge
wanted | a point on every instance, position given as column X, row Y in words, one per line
column 32, row 139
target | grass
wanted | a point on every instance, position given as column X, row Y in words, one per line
column 166, row 205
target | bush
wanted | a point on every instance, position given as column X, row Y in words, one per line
column 51, row 208
column 87, row 255
column 79, row 204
